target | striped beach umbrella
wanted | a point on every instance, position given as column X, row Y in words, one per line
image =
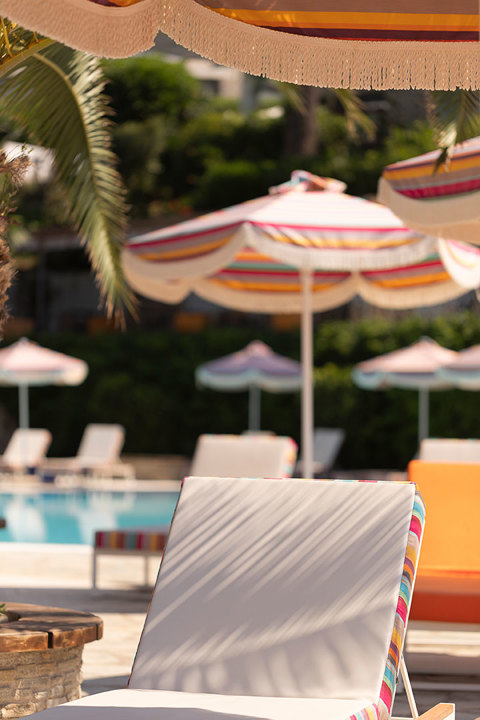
column 415, row 367
column 295, row 250
column 255, row 368
column 441, row 200
column 464, row 370
column 25, row 363
column 376, row 44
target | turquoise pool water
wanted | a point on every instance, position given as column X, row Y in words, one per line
column 73, row 516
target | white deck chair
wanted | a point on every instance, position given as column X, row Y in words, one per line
column 256, row 456
column 326, row 446
column 275, row 600
column 451, row 450
column 98, row 454
column 26, row 449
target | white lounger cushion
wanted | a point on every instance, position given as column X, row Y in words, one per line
column 26, row 448
column 101, row 443
column 277, row 588
column 257, row 456
column 160, row 705
column 450, row 450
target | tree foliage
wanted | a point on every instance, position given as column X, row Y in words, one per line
column 381, row 427
column 148, row 86
column 55, row 95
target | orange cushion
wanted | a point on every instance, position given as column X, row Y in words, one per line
column 448, row 579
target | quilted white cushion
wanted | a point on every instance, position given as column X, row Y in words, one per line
column 159, row 705
column 277, row 588
column 256, row 456
column 450, row 450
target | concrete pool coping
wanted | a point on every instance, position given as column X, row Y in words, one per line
column 25, row 486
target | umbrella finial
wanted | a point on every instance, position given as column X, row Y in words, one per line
column 304, row 181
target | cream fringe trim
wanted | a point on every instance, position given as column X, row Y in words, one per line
column 83, row 25
column 456, row 218
column 119, row 32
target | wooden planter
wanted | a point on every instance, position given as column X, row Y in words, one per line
column 41, row 656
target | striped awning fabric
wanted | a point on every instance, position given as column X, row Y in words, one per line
column 147, row 540
column 438, row 199
column 254, row 282
column 331, row 43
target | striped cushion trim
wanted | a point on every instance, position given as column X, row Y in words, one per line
column 382, row 710
column 146, row 540
column 387, row 692
column 369, row 713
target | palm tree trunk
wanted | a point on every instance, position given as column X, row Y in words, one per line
column 301, row 132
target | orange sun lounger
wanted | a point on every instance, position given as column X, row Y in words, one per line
column 448, row 580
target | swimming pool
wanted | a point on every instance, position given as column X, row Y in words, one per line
column 74, row 515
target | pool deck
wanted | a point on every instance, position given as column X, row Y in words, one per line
column 60, row 575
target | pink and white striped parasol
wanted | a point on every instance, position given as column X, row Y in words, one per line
column 464, row 370
column 254, row 368
column 415, row 367
column 441, row 200
column 305, row 247
column 26, row 363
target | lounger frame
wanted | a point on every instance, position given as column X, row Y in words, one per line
column 145, row 555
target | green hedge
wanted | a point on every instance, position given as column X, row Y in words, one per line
column 145, row 380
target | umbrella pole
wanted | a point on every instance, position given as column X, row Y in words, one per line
column 254, row 408
column 23, row 415
column 307, row 374
column 423, row 413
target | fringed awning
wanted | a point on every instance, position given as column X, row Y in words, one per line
column 437, row 199
column 330, row 43
column 256, row 283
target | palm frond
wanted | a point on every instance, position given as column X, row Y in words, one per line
column 455, row 117
column 12, row 172
column 56, row 94
column 358, row 121
column 16, row 44
column 291, row 95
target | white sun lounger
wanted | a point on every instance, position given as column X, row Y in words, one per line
column 98, row 454
column 453, row 450
column 26, row 450
column 276, row 600
column 326, row 446
column 256, row 456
